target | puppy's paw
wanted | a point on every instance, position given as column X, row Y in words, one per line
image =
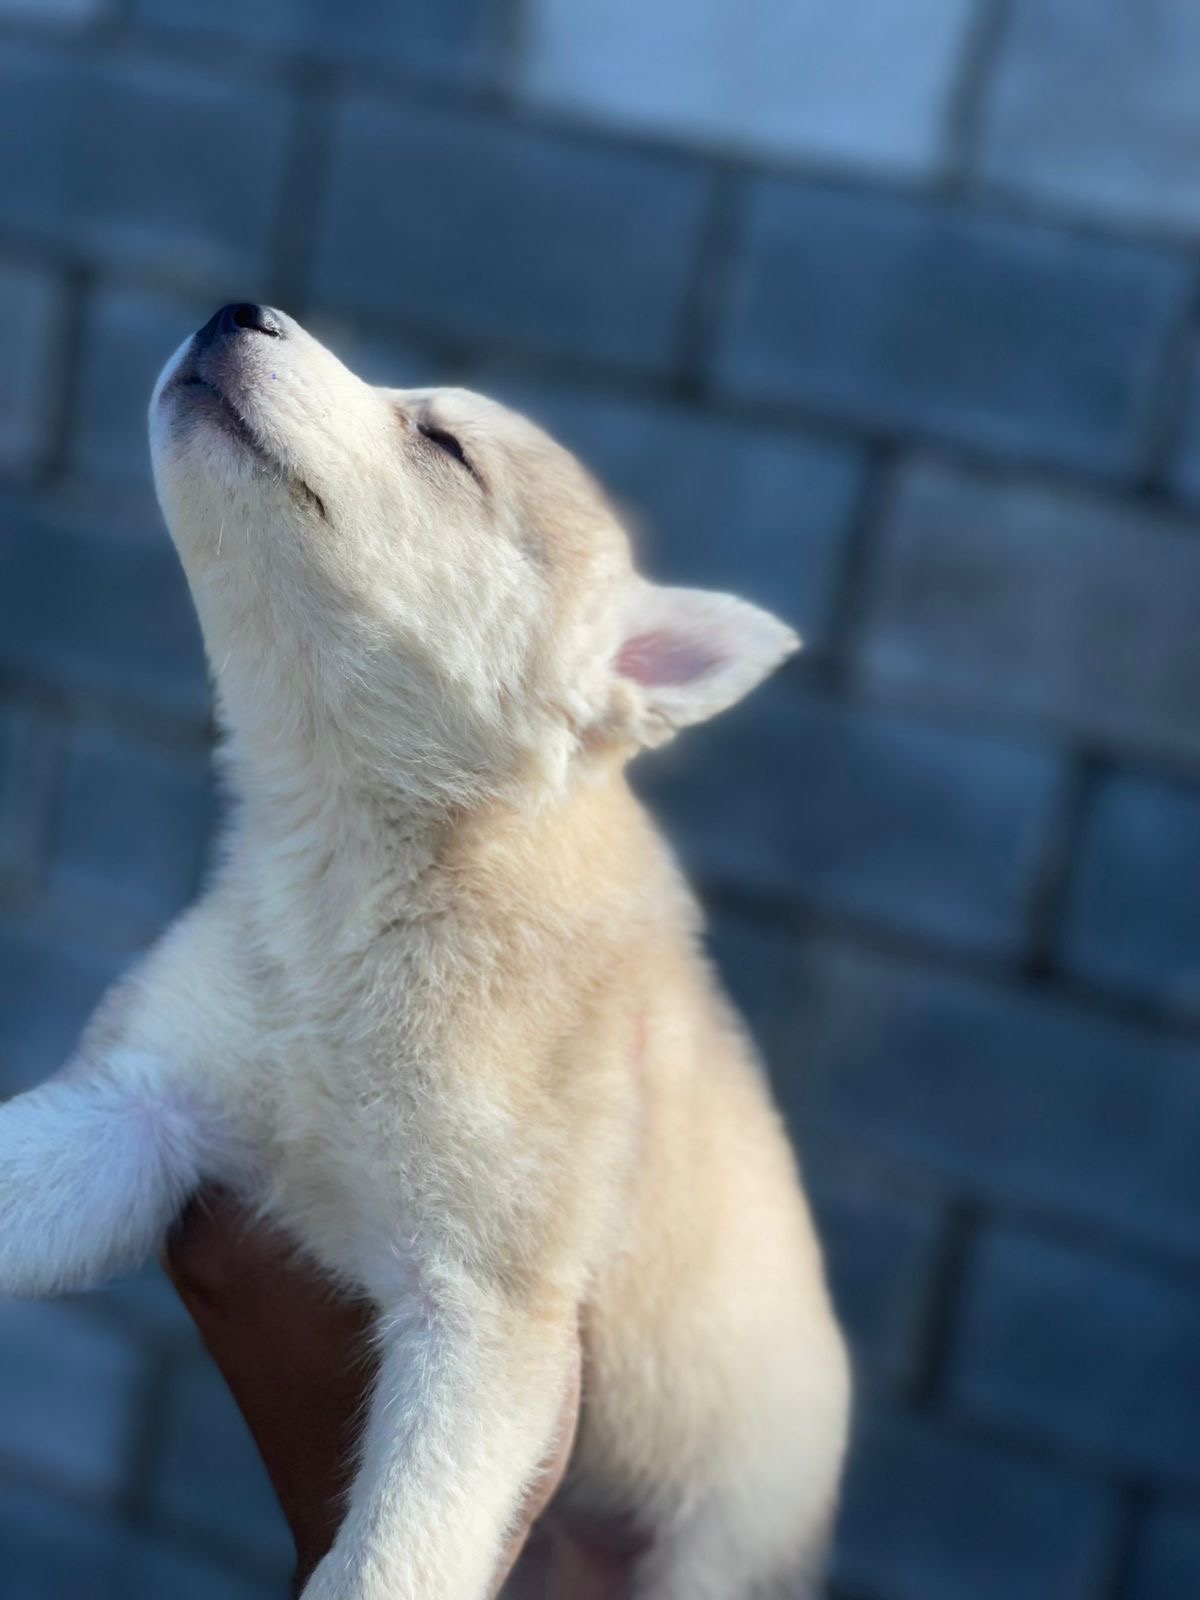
column 92, row 1169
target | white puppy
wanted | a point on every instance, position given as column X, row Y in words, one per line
column 442, row 1013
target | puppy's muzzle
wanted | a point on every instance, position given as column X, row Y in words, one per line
column 237, row 322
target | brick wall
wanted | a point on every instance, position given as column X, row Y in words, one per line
column 884, row 315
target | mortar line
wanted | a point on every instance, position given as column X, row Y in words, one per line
column 943, row 1300
column 301, row 192
column 981, row 56
column 702, row 314
column 865, row 531
column 1129, row 1521
column 1053, row 875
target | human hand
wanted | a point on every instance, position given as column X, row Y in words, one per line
column 299, row 1363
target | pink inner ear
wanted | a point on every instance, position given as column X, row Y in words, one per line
column 659, row 660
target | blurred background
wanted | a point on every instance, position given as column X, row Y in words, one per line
column 883, row 313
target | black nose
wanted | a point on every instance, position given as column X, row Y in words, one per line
column 236, row 319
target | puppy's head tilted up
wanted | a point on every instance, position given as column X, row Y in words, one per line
column 419, row 585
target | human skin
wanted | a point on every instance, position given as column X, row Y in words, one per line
column 298, row 1360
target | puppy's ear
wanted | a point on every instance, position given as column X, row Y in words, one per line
column 685, row 654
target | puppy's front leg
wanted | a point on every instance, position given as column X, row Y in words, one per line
column 95, row 1163
column 469, row 1395
column 92, row 1169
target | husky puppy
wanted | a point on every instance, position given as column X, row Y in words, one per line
column 441, row 1014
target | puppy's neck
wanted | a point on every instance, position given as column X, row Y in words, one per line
column 326, row 840
column 341, row 852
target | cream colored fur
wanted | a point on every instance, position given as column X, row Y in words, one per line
column 442, row 1013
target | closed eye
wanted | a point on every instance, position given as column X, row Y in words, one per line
column 444, row 441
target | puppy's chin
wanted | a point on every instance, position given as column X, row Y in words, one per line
column 200, row 425
column 197, row 405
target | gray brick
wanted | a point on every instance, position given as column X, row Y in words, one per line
column 1167, row 1566
column 494, row 232
column 1035, row 605
column 445, row 39
column 1008, row 1094
column 129, row 830
column 759, row 510
column 1056, row 1342
column 760, row 963
column 69, row 1388
column 47, row 992
column 141, row 163
column 51, row 1547
column 103, row 615
column 881, row 1246
column 379, row 356
column 146, row 1303
column 907, row 317
column 861, row 815
column 1184, row 471
column 1092, row 107
column 1133, row 917
column 208, row 1476
column 147, row 1571
column 55, row 13
column 55, row 1547
column 30, row 376
column 128, row 335
column 778, row 80
column 24, row 769
column 928, row 1516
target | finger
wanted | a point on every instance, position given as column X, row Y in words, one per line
column 296, row 1358
column 299, row 1363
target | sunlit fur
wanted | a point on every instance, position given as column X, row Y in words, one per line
column 442, row 1012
